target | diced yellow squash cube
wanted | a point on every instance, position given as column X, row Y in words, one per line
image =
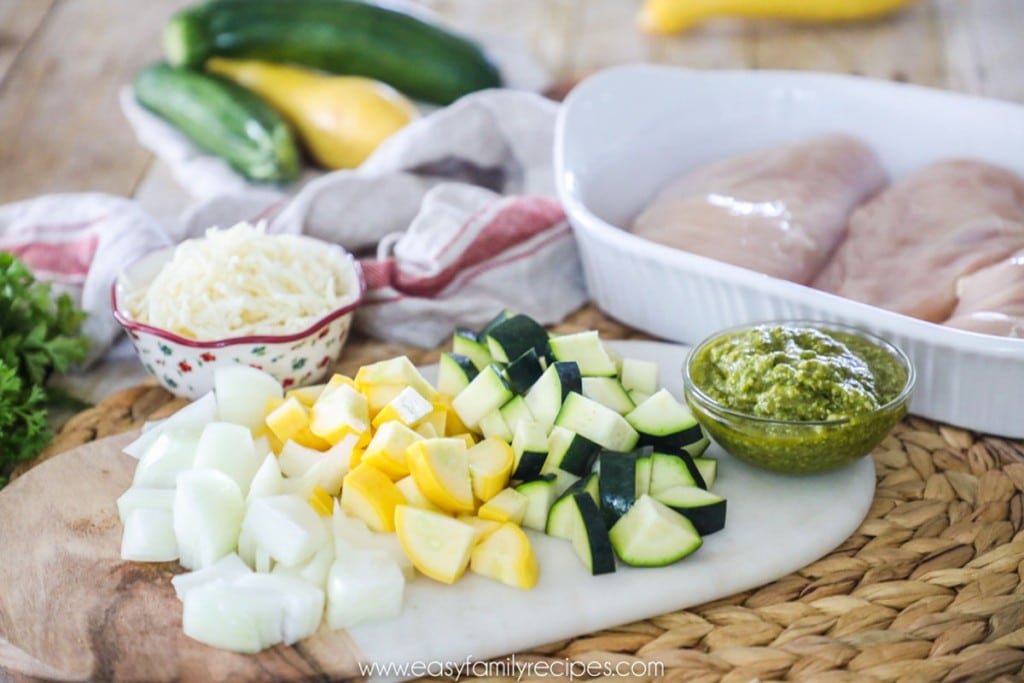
column 307, row 396
column 386, row 450
column 453, row 424
column 379, row 395
column 272, row 403
column 288, row 419
column 438, row 545
column 484, row 527
column 305, row 437
column 339, row 380
column 321, row 501
column 467, row 437
column 490, row 465
column 400, row 371
column 427, row 431
column 407, row 407
column 385, row 415
column 508, row 506
column 438, row 417
column 356, row 458
column 507, row 556
column 441, row 470
column 413, row 495
column 338, row 413
column 276, row 445
column 370, row 495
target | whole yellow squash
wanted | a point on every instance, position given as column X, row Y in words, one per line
column 672, row 16
column 340, row 120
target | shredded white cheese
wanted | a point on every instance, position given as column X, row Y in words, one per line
column 243, row 282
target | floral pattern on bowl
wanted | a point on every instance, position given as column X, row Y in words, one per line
column 185, row 367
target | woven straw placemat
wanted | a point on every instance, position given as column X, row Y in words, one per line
column 927, row 589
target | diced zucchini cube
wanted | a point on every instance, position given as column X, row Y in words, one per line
column 639, row 375
column 487, row 392
column 586, row 349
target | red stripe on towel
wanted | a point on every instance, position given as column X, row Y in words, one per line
column 480, row 269
column 517, row 221
column 67, row 261
column 377, row 273
column 30, row 233
column 470, row 275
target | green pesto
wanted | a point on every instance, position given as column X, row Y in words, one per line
column 798, row 375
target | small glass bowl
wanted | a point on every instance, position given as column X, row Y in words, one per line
column 796, row 447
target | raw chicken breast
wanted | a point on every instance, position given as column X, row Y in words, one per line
column 906, row 249
column 779, row 211
column 992, row 299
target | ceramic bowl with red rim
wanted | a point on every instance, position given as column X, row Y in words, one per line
column 185, row 365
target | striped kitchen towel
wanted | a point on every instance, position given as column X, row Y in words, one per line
column 79, row 242
column 468, row 254
column 453, row 219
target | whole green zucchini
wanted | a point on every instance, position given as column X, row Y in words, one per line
column 222, row 118
column 418, row 58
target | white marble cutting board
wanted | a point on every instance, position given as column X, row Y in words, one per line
column 774, row 525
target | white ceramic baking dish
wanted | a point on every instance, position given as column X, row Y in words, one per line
column 623, row 133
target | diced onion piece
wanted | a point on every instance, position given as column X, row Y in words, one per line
column 286, row 527
column 208, row 511
column 228, row 448
column 243, row 394
column 196, row 415
column 352, row 534
column 302, row 605
column 295, row 460
column 225, row 569
column 314, row 570
column 137, row 497
column 268, row 480
column 252, row 612
column 231, row 618
column 363, row 586
column 263, row 563
column 349, row 532
column 247, row 549
column 328, row 473
column 172, row 453
column 149, row 536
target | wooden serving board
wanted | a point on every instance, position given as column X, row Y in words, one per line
column 71, row 609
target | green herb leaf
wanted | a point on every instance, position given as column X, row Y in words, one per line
column 23, row 429
column 39, row 334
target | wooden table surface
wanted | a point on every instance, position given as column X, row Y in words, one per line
column 63, row 61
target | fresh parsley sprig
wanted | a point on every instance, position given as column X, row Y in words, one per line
column 39, row 334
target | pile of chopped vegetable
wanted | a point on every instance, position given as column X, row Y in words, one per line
column 39, row 334
column 325, row 500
